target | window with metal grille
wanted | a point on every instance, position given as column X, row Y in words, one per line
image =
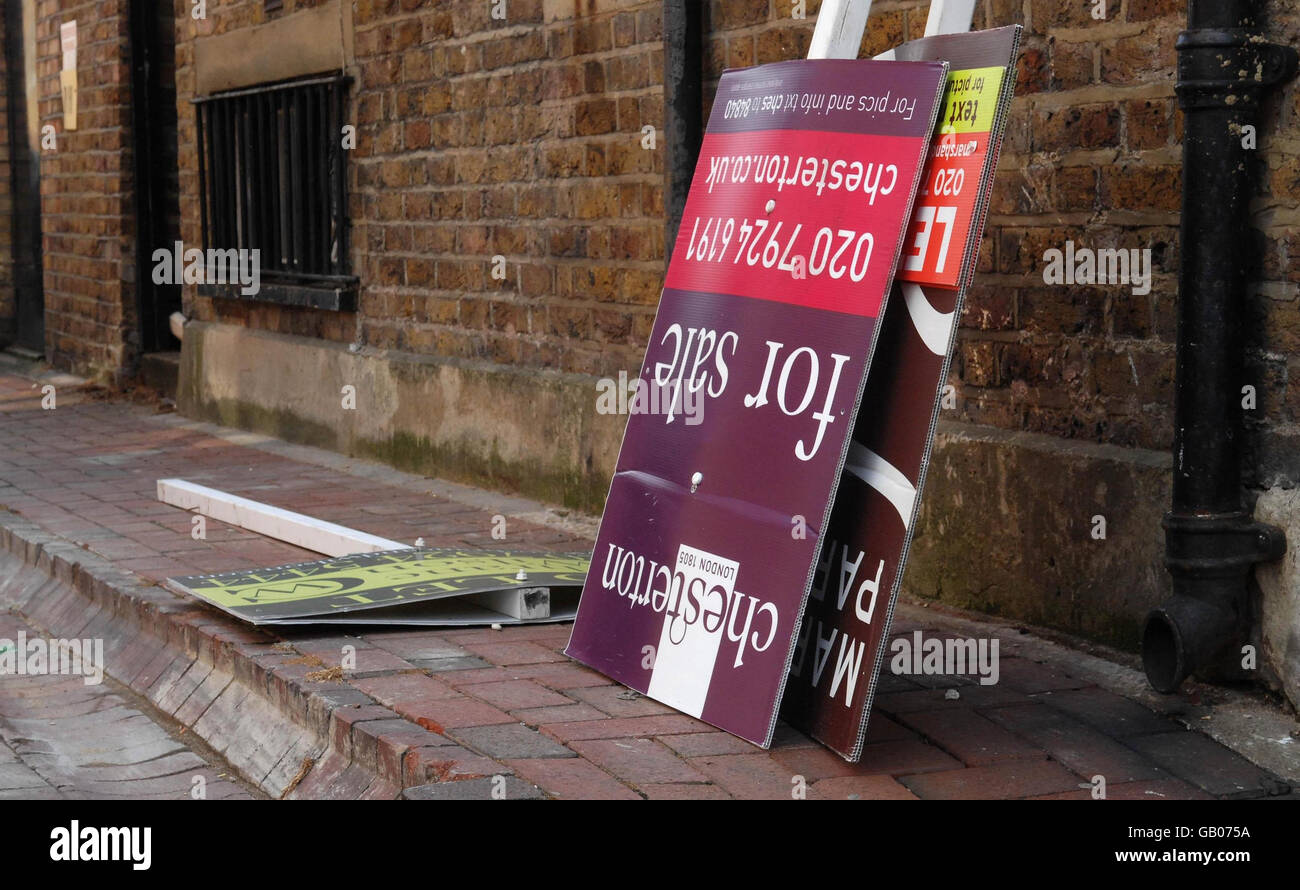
column 272, row 179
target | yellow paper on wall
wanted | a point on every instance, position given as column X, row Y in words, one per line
column 68, row 83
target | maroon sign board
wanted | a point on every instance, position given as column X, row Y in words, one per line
column 844, row 635
column 752, row 379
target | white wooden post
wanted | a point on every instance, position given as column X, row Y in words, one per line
column 840, row 26
column 949, row 17
column 314, row 534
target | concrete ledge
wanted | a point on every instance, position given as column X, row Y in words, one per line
column 1007, row 528
column 535, row 433
column 306, row 42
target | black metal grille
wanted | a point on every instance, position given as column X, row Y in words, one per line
column 271, row 178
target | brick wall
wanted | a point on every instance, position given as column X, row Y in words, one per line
column 8, row 307
column 1093, row 154
column 86, row 198
column 521, row 138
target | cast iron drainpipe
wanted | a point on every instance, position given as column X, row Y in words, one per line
column 683, row 106
column 1211, row 541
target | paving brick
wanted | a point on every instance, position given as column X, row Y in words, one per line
column 573, row 779
column 1157, row 789
column 382, row 744
column 1028, row 676
column 15, row 776
column 441, row 715
column 478, row 674
column 971, row 738
column 328, row 648
column 149, row 674
column 902, row 757
column 1206, row 764
column 786, row 736
column 381, row 788
column 898, row 703
column 510, row 741
column 427, row 645
column 883, row 729
column 403, row 692
column 1079, row 747
column 202, row 697
column 1008, row 779
column 505, row 654
column 619, row 701
column 343, row 720
column 447, row 763
column 559, row 714
column 442, row 665
column 1112, row 714
column 506, row 788
column 748, row 776
column 623, row 727
column 170, row 697
column 684, row 792
column 859, row 788
column 374, row 662
column 700, row 744
column 516, row 694
column 897, row 757
column 562, row 677
column 637, row 761
column 888, row 682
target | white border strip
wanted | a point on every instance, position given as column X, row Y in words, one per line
column 284, row 525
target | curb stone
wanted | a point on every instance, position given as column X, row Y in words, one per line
column 238, row 688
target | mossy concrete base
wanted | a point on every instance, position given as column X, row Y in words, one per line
column 1056, row 533
column 532, row 432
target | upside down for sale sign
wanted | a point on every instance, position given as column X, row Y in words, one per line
column 751, row 383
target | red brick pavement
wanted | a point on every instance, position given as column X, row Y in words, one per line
column 432, row 706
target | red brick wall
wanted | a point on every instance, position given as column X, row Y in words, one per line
column 521, row 138
column 1093, row 154
column 86, row 198
column 7, row 304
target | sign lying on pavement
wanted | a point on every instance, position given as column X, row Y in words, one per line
column 786, row 252
column 842, row 642
column 410, row 586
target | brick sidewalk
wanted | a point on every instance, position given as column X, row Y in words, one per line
column 62, row 738
column 429, row 707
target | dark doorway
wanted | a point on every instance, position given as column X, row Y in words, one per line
column 153, row 92
column 25, row 187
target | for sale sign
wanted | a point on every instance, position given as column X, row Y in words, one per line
column 752, row 377
column 842, row 642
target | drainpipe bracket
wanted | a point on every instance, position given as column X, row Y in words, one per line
column 1219, row 545
column 1223, row 68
